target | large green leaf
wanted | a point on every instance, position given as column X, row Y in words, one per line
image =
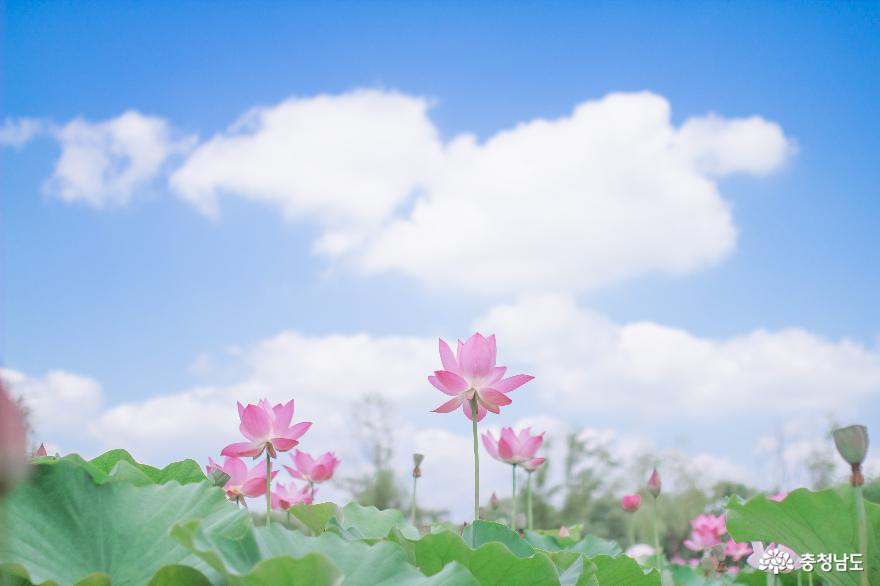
column 490, row 563
column 235, row 550
column 314, row 517
column 481, row 532
column 63, row 526
column 119, row 465
column 575, row 569
column 355, row 521
column 590, row 545
column 810, row 522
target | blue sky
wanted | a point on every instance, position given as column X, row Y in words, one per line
column 131, row 296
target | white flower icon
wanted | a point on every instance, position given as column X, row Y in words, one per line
column 775, row 560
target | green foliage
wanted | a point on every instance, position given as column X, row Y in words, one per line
column 314, row 517
column 810, row 522
column 63, row 525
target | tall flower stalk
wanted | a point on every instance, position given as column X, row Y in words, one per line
column 530, row 467
column 416, row 474
column 513, row 523
column 654, row 486
column 474, row 420
column 852, row 444
column 475, row 384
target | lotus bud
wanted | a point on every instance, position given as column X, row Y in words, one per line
column 493, row 501
column 564, row 531
column 852, row 444
column 417, row 462
column 631, row 502
column 13, row 443
column 41, row 451
column 654, row 483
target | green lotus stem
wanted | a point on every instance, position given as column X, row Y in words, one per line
column 268, row 490
column 656, row 536
column 476, row 460
column 799, row 577
column 513, row 515
column 810, row 578
column 413, row 512
column 529, row 499
column 312, row 492
column 863, row 531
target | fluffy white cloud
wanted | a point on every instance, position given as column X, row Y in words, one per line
column 105, row 162
column 60, row 402
column 347, row 159
column 611, row 191
column 17, row 132
column 644, row 369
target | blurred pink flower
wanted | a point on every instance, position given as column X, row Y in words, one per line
column 564, row 532
column 654, row 483
column 242, row 482
column 266, row 428
column 285, row 496
column 778, row 497
column 512, row 447
column 631, row 502
column 533, row 464
column 311, row 469
column 736, row 550
column 706, row 531
column 41, row 451
column 471, row 373
column 13, row 443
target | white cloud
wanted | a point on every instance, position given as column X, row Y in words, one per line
column 60, row 402
column 346, row 160
column 644, row 369
column 17, row 132
column 612, row 191
column 104, row 163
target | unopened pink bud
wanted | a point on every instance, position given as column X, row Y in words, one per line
column 654, row 483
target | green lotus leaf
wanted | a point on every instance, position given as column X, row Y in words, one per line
column 491, row 562
column 482, row 532
column 236, row 550
column 810, row 522
column 64, row 526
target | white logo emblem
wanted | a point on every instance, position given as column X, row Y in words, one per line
column 776, row 561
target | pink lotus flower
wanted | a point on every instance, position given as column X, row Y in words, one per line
column 313, row 470
column 513, row 448
column 13, row 443
column 778, row 497
column 472, row 374
column 631, row 502
column 736, row 550
column 285, row 496
column 41, row 451
column 533, row 464
column 706, row 532
column 564, row 532
column 242, row 482
column 267, row 428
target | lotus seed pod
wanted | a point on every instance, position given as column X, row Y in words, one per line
column 852, row 443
